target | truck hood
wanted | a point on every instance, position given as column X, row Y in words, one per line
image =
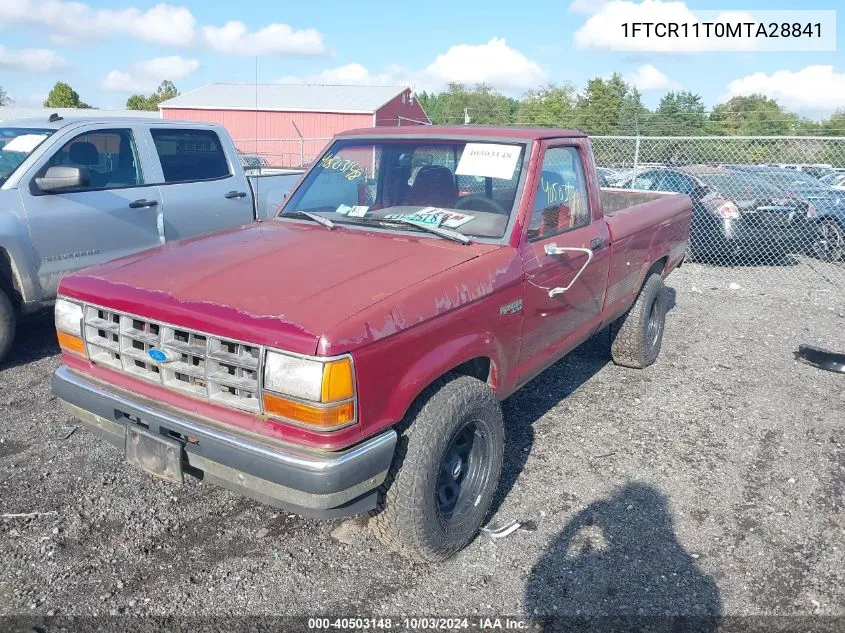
column 279, row 283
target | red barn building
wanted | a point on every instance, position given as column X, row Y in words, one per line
column 288, row 124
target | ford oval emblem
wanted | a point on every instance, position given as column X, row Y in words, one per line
column 160, row 355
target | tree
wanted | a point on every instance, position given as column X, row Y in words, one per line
column 5, row 99
column 63, row 96
column 609, row 106
column 678, row 114
column 550, row 106
column 752, row 115
column 165, row 91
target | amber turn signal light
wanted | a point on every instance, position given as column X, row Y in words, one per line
column 337, row 380
column 323, row 418
column 71, row 343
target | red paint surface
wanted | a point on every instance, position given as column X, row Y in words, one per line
column 409, row 309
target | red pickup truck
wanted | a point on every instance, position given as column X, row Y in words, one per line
column 350, row 355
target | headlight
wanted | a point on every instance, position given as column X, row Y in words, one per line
column 69, row 326
column 310, row 391
column 69, row 317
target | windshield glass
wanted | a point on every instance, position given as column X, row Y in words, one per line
column 16, row 143
column 469, row 187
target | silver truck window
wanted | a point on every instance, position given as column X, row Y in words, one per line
column 560, row 202
column 190, row 155
column 110, row 156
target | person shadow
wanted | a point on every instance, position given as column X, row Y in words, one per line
column 618, row 566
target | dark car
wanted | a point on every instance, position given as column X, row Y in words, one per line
column 734, row 213
column 828, row 204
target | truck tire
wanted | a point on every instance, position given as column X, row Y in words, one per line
column 8, row 319
column 445, row 472
column 636, row 336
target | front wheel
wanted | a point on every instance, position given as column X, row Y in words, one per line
column 7, row 324
column 445, row 472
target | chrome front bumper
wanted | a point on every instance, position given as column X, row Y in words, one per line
column 316, row 483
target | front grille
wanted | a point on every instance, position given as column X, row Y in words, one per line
column 214, row 368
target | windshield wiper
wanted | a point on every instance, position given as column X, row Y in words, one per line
column 449, row 234
column 319, row 219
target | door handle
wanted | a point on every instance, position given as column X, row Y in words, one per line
column 142, row 204
column 236, row 194
column 596, row 243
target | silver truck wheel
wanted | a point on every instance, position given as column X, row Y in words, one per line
column 446, row 470
column 8, row 323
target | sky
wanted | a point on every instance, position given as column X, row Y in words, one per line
column 108, row 50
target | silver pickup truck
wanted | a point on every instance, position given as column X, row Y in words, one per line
column 77, row 192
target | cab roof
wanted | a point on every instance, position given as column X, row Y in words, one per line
column 480, row 131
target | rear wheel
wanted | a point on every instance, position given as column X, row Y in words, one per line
column 637, row 335
column 8, row 323
column 448, row 461
column 830, row 241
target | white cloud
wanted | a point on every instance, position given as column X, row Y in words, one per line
column 77, row 22
column 352, row 74
column 34, row 60
column 605, row 31
column 145, row 76
column 647, row 78
column 494, row 63
column 234, row 38
column 587, row 7
column 817, row 89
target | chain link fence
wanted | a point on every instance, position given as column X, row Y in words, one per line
column 280, row 152
column 757, row 201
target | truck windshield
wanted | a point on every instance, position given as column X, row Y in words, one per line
column 469, row 187
column 16, row 143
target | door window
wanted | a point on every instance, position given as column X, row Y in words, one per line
column 109, row 156
column 190, row 155
column 560, row 202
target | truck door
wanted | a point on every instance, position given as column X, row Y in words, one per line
column 562, row 216
column 200, row 188
column 113, row 215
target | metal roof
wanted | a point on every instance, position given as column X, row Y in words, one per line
column 14, row 113
column 483, row 131
column 286, row 97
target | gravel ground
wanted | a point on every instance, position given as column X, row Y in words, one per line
column 712, row 482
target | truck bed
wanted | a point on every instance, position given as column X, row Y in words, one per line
column 645, row 226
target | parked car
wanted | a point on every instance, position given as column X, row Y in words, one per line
column 835, row 180
column 350, row 355
column 733, row 213
column 828, row 205
column 76, row 192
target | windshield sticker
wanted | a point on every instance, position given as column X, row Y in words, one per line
column 349, row 168
column 343, row 209
column 488, row 160
column 358, row 211
column 24, row 143
column 434, row 217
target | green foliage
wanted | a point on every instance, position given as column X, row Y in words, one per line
column 552, row 106
column 678, row 114
column 753, row 115
column 63, row 96
column 481, row 104
column 165, row 91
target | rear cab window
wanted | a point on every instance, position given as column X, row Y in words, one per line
column 190, row 155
